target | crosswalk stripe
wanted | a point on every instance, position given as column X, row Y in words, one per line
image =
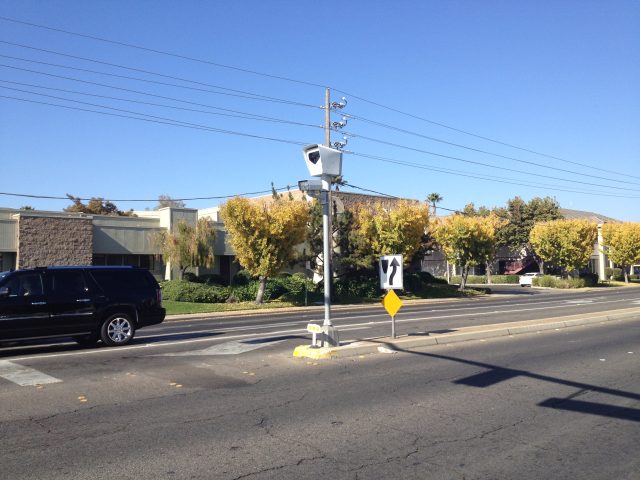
column 24, row 376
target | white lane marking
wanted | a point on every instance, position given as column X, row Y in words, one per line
column 278, row 332
column 228, row 348
column 309, row 316
column 381, row 314
column 583, row 301
column 24, row 376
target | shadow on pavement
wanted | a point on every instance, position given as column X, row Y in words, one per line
column 496, row 374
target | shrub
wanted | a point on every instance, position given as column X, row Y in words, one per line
column 213, row 279
column 554, row 282
column 185, row 291
column 190, row 277
column 241, row 278
column 590, row 279
column 505, row 278
column 482, row 279
column 360, row 286
column 614, row 273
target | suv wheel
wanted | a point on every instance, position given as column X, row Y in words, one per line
column 117, row 329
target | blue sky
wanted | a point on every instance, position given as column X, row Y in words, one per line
column 556, row 78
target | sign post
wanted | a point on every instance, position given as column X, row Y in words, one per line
column 390, row 267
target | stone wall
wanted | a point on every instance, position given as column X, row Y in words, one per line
column 45, row 241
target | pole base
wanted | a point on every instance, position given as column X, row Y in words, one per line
column 330, row 336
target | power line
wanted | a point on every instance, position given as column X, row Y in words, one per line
column 139, row 92
column 173, row 122
column 499, row 142
column 288, row 79
column 245, row 115
column 96, row 72
column 218, row 197
column 427, row 137
column 169, row 122
column 267, row 98
column 474, row 162
column 148, row 72
column 160, row 52
column 483, row 177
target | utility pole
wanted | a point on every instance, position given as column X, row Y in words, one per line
column 330, row 333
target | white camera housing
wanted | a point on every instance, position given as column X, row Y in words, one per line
column 323, row 160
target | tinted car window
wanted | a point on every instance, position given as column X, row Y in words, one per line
column 24, row 285
column 111, row 280
column 68, row 282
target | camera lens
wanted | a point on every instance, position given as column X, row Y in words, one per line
column 314, row 157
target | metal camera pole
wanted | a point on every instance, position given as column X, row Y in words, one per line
column 329, row 330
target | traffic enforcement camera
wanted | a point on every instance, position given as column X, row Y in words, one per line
column 323, row 160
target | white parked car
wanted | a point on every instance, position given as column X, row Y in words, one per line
column 527, row 278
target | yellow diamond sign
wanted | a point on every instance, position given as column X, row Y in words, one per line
column 391, row 303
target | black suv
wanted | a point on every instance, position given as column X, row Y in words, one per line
column 85, row 303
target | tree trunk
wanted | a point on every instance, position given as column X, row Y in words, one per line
column 626, row 274
column 489, row 280
column 463, row 278
column 261, row 288
column 540, row 266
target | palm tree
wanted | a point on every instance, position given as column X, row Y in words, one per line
column 432, row 199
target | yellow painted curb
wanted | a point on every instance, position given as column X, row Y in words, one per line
column 306, row 351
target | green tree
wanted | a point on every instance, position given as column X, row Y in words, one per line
column 520, row 218
column 188, row 246
column 467, row 240
column 96, row 206
column 622, row 241
column 567, row 244
column 263, row 235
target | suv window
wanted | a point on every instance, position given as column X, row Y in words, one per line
column 68, row 282
column 24, row 285
column 113, row 280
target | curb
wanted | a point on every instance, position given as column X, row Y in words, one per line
column 464, row 334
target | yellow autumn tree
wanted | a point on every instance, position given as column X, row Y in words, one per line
column 385, row 230
column 567, row 244
column 467, row 240
column 188, row 246
column 263, row 235
column 622, row 241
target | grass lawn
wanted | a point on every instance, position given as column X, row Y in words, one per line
column 178, row 308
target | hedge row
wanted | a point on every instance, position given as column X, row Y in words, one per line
column 291, row 287
column 482, row 279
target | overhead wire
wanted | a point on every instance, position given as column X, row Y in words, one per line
column 149, row 72
column 186, row 199
column 474, row 162
column 302, row 82
column 161, row 52
column 156, row 82
column 242, row 115
column 486, row 152
column 502, row 180
column 139, row 92
column 175, row 123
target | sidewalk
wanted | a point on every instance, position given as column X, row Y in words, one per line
column 463, row 334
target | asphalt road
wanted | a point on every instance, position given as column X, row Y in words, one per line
column 559, row 405
column 507, row 304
